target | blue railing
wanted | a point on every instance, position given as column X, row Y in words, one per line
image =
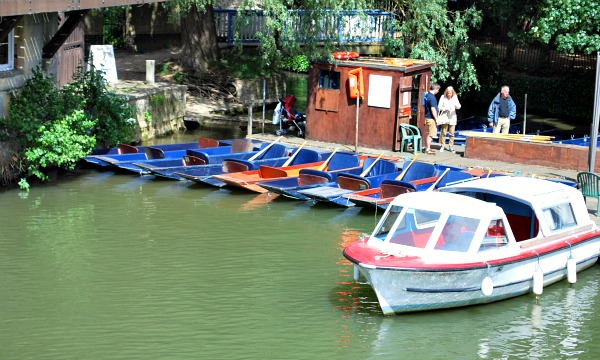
column 338, row 26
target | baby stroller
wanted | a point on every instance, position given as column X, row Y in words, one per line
column 285, row 115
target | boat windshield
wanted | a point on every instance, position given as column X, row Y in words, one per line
column 414, row 228
column 559, row 217
column 457, row 234
column 385, row 225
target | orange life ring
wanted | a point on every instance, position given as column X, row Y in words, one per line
column 345, row 55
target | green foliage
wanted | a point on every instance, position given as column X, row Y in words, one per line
column 115, row 119
column 572, row 25
column 430, row 31
column 60, row 144
column 298, row 63
column 113, row 24
column 23, row 184
column 57, row 126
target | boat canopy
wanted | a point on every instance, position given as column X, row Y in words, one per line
column 427, row 221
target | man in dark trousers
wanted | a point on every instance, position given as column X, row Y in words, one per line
column 431, row 114
column 501, row 111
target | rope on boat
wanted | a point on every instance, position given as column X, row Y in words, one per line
column 388, row 253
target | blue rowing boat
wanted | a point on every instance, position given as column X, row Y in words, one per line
column 127, row 153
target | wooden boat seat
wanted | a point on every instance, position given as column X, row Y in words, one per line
column 311, row 179
column 231, row 166
column 153, row 153
column 393, row 188
column 241, row 145
column 189, row 160
column 126, row 149
column 207, row 142
column 269, row 172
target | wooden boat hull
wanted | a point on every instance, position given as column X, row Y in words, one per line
column 249, row 180
column 407, row 286
column 337, row 193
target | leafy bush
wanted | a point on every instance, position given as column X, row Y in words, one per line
column 55, row 127
column 60, row 144
column 297, row 63
column 115, row 119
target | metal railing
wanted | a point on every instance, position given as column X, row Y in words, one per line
column 337, row 26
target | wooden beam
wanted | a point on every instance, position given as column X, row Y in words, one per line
column 7, row 24
column 74, row 19
column 29, row 7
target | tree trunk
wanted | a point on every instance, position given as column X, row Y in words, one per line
column 200, row 50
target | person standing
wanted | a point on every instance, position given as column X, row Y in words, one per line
column 501, row 111
column 447, row 118
column 431, row 115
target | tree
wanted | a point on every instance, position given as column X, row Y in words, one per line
column 572, row 25
column 430, row 30
column 199, row 50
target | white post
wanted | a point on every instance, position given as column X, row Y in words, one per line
column 150, row 71
column 356, row 139
column 249, row 118
column 525, row 115
column 596, row 120
column 264, row 103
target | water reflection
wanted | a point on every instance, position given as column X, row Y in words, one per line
column 113, row 266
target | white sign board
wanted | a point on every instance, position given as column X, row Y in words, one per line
column 103, row 58
column 380, row 91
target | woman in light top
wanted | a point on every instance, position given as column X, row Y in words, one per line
column 447, row 118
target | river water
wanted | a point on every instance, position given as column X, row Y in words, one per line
column 116, row 266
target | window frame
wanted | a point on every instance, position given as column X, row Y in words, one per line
column 10, row 43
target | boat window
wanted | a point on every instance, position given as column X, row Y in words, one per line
column 415, row 228
column 495, row 236
column 329, row 79
column 385, row 225
column 457, row 234
column 559, row 217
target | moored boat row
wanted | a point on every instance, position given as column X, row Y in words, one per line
column 449, row 236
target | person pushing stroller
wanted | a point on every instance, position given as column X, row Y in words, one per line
column 286, row 115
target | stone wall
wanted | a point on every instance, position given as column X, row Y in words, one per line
column 558, row 156
column 160, row 106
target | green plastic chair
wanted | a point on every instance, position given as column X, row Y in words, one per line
column 590, row 186
column 410, row 134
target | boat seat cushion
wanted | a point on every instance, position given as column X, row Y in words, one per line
column 418, row 170
column 343, row 160
column 275, row 151
column 381, row 167
column 306, row 156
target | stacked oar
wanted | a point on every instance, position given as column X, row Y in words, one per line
column 544, row 139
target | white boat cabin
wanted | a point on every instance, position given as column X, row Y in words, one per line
column 479, row 216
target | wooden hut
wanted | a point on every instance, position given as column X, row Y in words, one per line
column 392, row 90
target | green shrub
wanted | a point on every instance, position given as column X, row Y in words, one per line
column 60, row 144
column 297, row 63
column 56, row 127
column 115, row 119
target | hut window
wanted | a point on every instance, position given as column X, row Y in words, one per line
column 7, row 52
column 329, row 79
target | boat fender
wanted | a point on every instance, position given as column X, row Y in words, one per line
column 571, row 270
column 538, row 281
column 487, row 286
column 356, row 273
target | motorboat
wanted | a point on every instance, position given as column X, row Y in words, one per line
column 475, row 242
